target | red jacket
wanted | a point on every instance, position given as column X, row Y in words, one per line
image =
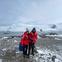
column 24, row 40
column 33, row 37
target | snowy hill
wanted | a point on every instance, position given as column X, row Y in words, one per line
column 22, row 27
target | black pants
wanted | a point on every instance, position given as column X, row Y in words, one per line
column 31, row 49
column 25, row 49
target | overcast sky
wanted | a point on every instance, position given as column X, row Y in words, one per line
column 29, row 12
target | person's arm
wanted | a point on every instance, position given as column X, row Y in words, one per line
column 36, row 36
column 31, row 37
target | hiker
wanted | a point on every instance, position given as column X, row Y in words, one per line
column 32, row 41
column 24, row 42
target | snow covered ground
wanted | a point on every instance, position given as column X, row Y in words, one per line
column 49, row 50
column 43, row 55
column 46, row 55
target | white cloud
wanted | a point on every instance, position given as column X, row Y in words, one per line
column 4, row 28
column 42, row 12
column 35, row 13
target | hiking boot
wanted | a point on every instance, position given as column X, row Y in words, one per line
column 32, row 53
column 24, row 56
column 27, row 56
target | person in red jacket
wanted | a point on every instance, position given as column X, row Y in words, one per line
column 32, row 41
column 25, row 42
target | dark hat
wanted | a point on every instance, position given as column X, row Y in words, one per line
column 34, row 30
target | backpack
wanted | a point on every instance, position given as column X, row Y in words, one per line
column 20, row 47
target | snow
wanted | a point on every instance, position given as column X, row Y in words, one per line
column 15, row 41
column 4, row 49
column 0, row 60
column 4, row 38
column 46, row 55
column 57, row 39
column 56, row 60
column 43, row 55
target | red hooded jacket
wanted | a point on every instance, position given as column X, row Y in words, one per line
column 25, row 39
column 33, row 37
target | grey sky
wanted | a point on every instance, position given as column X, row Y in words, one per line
column 30, row 12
